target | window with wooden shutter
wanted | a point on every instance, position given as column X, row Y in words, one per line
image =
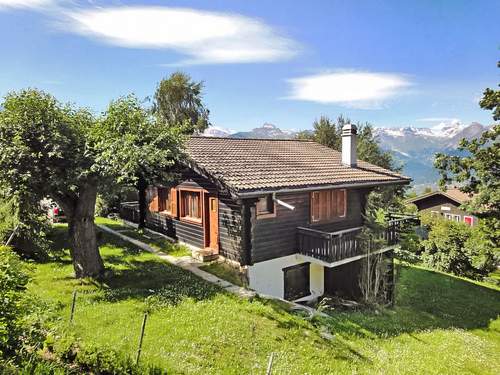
column 266, row 207
column 190, row 205
column 328, row 205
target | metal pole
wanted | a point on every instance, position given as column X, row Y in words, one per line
column 73, row 303
column 139, row 349
column 270, row 364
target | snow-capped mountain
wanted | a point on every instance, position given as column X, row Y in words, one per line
column 413, row 147
column 268, row 131
column 215, row 131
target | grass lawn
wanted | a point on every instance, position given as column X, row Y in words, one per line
column 156, row 241
column 440, row 324
column 224, row 271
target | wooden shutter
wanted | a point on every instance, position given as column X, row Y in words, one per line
column 341, row 200
column 153, row 204
column 315, row 206
column 173, row 202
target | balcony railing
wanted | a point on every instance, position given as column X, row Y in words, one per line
column 329, row 247
column 335, row 246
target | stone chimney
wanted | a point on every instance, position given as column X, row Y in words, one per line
column 349, row 156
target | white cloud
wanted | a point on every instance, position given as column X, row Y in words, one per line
column 24, row 3
column 356, row 89
column 202, row 36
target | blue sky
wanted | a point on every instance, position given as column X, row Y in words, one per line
column 392, row 63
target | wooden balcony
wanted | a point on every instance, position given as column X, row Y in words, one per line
column 332, row 247
column 328, row 247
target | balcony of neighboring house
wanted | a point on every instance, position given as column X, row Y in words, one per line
column 340, row 247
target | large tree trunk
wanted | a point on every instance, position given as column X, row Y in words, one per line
column 142, row 186
column 87, row 261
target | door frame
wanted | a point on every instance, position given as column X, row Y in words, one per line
column 208, row 223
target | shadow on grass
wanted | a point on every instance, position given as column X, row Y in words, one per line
column 426, row 300
column 162, row 283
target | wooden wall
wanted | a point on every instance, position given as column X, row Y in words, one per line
column 276, row 236
column 193, row 234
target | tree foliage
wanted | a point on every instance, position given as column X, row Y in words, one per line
column 63, row 152
column 178, row 100
column 478, row 173
column 13, row 280
column 457, row 248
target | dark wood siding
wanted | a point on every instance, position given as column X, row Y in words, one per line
column 189, row 233
column 435, row 202
column 193, row 234
column 276, row 237
column 230, row 229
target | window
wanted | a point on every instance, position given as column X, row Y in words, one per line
column 162, row 199
column 469, row 220
column 191, row 205
column 266, row 207
column 296, row 279
column 456, row 218
column 448, row 216
column 327, row 205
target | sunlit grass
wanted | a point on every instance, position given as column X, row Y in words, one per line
column 439, row 325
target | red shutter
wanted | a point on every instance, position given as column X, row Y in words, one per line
column 173, row 202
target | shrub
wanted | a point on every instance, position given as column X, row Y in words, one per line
column 458, row 248
column 13, row 280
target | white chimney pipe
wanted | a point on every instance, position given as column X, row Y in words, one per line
column 349, row 156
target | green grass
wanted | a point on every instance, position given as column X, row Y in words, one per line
column 224, row 271
column 439, row 325
column 157, row 242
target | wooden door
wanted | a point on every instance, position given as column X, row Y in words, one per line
column 213, row 219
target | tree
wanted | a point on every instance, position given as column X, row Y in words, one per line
column 55, row 150
column 177, row 103
column 178, row 100
column 478, row 173
column 149, row 151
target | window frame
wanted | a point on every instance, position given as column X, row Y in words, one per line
column 331, row 218
column 265, row 214
column 164, row 202
column 307, row 288
column 181, row 209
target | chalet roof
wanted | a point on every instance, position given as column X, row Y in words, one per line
column 249, row 165
column 454, row 194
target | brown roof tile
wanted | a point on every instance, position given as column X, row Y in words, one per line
column 260, row 164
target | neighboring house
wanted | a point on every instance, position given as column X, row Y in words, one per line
column 287, row 212
column 446, row 204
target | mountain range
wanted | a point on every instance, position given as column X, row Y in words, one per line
column 412, row 147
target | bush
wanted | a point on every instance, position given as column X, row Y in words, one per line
column 457, row 248
column 13, row 280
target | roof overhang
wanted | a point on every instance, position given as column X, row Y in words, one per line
column 431, row 194
column 370, row 184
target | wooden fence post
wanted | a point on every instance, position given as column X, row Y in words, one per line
column 139, row 349
column 73, row 303
column 270, row 364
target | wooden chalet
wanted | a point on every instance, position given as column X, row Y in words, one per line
column 446, row 204
column 286, row 212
